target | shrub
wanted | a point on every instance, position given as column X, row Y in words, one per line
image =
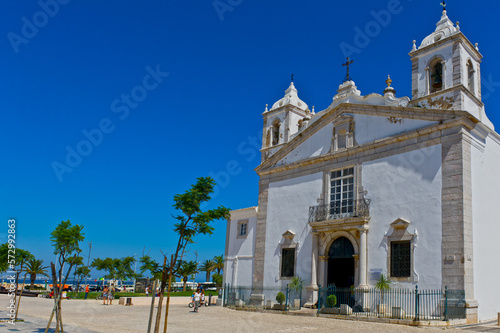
column 331, row 301
column 280, row 298
column 296, row 284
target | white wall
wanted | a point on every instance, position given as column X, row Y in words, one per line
column 240, row 251
column 318, row 144
column 407, row 186
column 288, row 209
column 486, row 227
column 371, row 128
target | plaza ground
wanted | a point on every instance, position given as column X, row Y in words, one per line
column 92, row 316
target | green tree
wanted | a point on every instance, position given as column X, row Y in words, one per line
column 190, row 222
column 118, row 269
column 35, row 267
column 219, row 263
column 217, row 279
column 186, row 268
column 66, row 240
column 207, row 266
column 15, row 260
column 81, row 272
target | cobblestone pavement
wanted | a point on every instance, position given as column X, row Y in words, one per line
column 91, row 316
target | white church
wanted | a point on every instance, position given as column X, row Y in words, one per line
column 378, row 184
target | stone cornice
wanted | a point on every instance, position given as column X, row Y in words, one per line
column 460, row 87
column 359, row 150
column 341, row 224
column 458, row 35
column 384, row 111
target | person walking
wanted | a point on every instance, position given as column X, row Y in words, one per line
column 105, row 295
column 147, row 291
column 197, row 298
column 86, row 291
column 111, row 294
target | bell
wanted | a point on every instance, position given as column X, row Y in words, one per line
column 438, row 81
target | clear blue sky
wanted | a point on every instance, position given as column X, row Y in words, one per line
column 215, row 71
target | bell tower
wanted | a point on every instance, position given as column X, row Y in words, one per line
column 446, row 71
column 285, row 118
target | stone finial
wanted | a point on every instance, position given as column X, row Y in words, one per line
column 313, row 110
column 476, row 45
column 414, row 48
column 389, row 89
column 266, row 108
column 458, row 26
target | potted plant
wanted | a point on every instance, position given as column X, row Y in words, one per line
column 296, row 285
column 331, row 301
column 280, row 298
column 383, row 284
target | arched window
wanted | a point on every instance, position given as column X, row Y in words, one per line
column 436, row 76
column 276, row 132
column 470, row 76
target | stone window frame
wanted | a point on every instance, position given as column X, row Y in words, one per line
column 359, row 192
column 238, row 230
column 428, row 70
column 343, row 126
column 276, row 132
column 400, row 233
column 288, row 242
column 470, row 78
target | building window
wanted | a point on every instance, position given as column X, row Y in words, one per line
column 276, row 132
column 470, row 76
column 436, row 77
column 287, row 262
column 401, row 259
column 342, row 139
column 342, row 192
column 343, row 133
column 242, row 229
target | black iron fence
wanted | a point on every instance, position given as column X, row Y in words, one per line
column 413, row 304
column 263, row 298
column 340, row 210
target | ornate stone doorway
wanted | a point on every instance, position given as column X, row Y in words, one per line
column 341, row 263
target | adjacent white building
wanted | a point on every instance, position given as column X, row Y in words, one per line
column 379, row 184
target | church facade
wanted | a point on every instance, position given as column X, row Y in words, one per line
column 378, row 184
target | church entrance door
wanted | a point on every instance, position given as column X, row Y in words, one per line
column 341, row 263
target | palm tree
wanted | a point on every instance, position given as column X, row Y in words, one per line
column 186, row 269
column 219, row 263
column 207, row 266
column 35, row 267
column 383, row 284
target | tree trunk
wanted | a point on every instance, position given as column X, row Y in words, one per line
column 207, row 278
column 160, row 296
column 184, row 281
column 19, row 299
column 32, row 278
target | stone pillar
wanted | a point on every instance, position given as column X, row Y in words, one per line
column 312, row 289
column 356, row 269
column 362, row 256
column 427, row 81
column 322, row 279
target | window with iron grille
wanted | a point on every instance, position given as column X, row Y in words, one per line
column 287, row 262
column 342, row 191
column 400, row 259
